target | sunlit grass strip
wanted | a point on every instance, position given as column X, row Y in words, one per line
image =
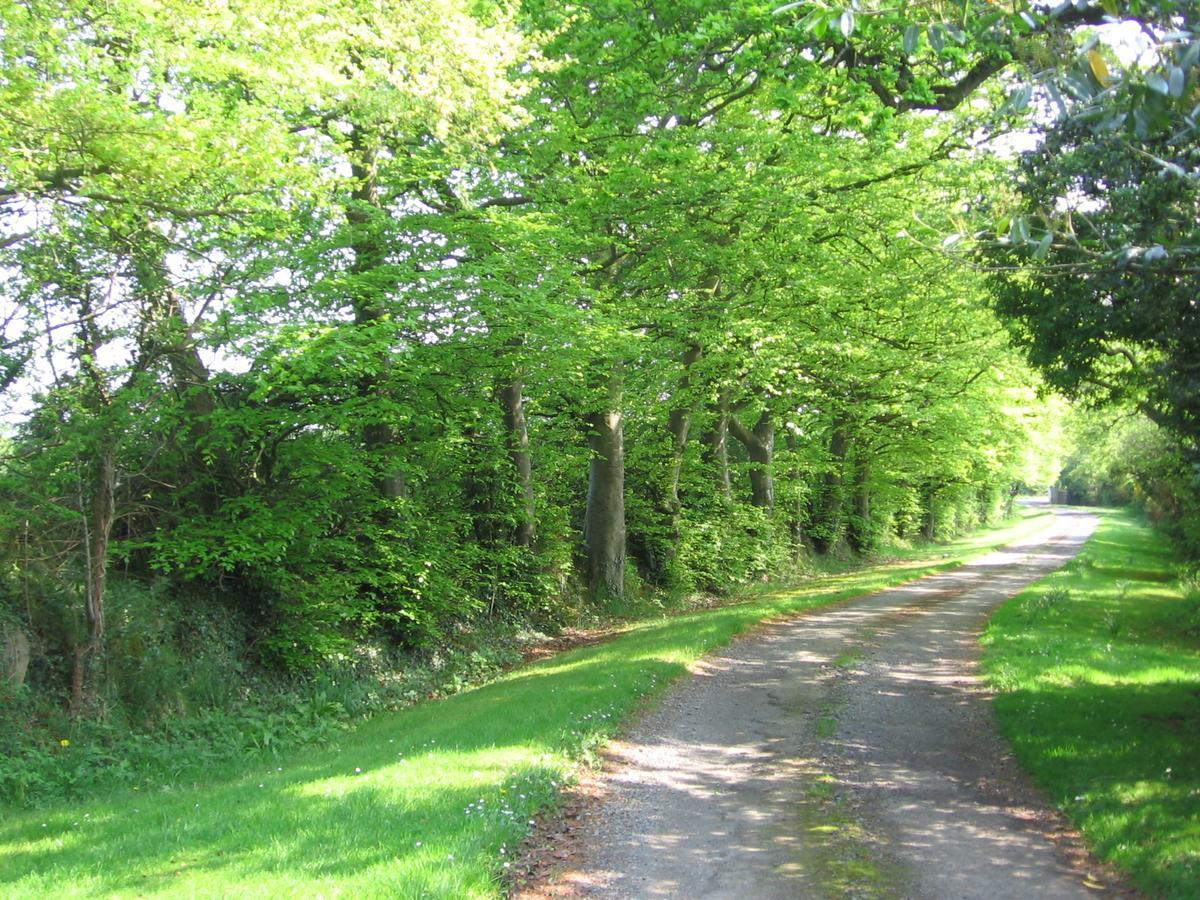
column 430, row 802
column 1098, row 669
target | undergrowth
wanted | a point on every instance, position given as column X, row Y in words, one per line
column 213, row 709
column 48, row 756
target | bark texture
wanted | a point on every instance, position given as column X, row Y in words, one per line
column 760, row 446
column 718, row 448
column 100, row 533
column 512, row 403
column 604, row 518
column 860, row 532
column 679, row 423
column 96, row 505
column 15, row 653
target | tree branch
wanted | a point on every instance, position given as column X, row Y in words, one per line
column 503, row 201
column 12, row 239
column 947, row 97
column 742, row 433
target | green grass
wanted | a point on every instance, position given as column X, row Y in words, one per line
column 431, row 801
column 1098, row 673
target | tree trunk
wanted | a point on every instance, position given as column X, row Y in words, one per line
column 15, row 653
column 718, row 448
column 368, row 301
column 680, row 424
column 104, row 481
column 860, row 533
column 96, row 509
column 604, row 518
column 479, row 489
column 795, row 511
column 760, row 445
column 78, row 676
column 929, row 492
column 170, row 336
column 88, row 673
column 661, row 551
column 826, row 527
column 362, row 213
column 512, row 402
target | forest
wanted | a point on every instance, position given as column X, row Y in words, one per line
column 342, row 336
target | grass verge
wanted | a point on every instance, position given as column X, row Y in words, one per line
column 1097, row 670
column 429, row 802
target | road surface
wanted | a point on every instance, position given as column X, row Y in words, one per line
column 850, row 752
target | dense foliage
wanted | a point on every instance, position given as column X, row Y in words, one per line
column 1134, row 462
column 1095, row 270
column 345, row 325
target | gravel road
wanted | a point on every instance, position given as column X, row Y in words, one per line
column 850, row 752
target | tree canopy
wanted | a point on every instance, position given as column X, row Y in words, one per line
column 368, row 322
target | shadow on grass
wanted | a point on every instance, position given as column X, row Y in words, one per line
column 1121, row 759
column 1100, row 697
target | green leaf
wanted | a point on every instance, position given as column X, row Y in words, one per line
column 846, row 23
column 816, row 23
column 1178, row 81
column 1056, row 97
column 1018, row 230
column 937, row 38
column 1158, row 84
column 912, row 37
column 1141, row 123
column 1019, row 99
column 1191, row 55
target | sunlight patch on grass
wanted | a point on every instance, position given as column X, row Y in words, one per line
column 1099, row 693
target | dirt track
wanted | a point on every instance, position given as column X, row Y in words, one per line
column 847, row 753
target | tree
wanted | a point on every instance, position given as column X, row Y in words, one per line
column 1097, row 266
column 376, row 327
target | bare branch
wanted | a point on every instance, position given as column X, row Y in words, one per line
column 503, row 201
column 14, row 239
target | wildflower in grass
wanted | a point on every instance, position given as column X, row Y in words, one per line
column 64, row 743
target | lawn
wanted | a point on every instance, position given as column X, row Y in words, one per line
column 1098, row 674
column 429, row 802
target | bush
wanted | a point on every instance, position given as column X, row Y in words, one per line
column 722, row 550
